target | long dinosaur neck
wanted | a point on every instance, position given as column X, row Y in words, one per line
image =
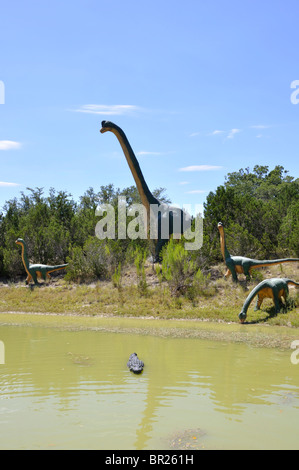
column 146, row 196
column 224, row 250
column 250, row 297
column 25, row 256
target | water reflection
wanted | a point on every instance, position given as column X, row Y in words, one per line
column 73, row 388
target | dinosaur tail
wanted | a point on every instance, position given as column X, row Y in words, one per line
column 261, row 263
column 56, row 268
column 293, row 283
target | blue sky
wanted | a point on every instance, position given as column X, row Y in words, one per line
column 200, row 88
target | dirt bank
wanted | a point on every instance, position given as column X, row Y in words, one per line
column 252, row 334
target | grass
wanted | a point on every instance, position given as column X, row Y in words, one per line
column 220, row 301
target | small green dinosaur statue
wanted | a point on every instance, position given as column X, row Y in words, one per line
column 36, row 270
column 240, row 264
column 275, row 289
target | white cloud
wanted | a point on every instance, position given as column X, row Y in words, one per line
column 201, row 168
column 139, row 154
column 232, row 133
column 9, row 145
column 196, row 191
column 183, row 182
column 107, row 110
column 216, row 132
column 194, row 134
column 260, row 126
column 4, row 184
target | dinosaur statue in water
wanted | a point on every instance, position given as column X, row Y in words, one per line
column 240, row 264
column 178, row 220
column 35, row 271
column 275, row 289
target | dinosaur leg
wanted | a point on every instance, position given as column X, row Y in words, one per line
column 234, row 274
column 157, row 250
column 246, row 271
column 276, row 301
column 231, row 269
column 34, row 277
column 28, row 279
column 228, row 273
column 283, row 294
column 259, row 302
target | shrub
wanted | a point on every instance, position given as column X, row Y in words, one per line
column 177, row 268
column 88, row 263
column 117, row 277
column 140, row 258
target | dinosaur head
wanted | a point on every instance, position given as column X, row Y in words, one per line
column 106, row 126
column 19, row 241
column 242, row 316
column 220, row 225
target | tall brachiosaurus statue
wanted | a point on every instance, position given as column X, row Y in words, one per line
column 36, row 270
column 183, row 220
column 240, row 264
column 275, row 289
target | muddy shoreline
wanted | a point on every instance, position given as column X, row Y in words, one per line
column 252, row 334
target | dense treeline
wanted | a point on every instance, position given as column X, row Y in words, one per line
column 57, row 229
column 258, row 208
column 260, row 212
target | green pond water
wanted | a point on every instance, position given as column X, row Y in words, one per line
column 71, row 389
